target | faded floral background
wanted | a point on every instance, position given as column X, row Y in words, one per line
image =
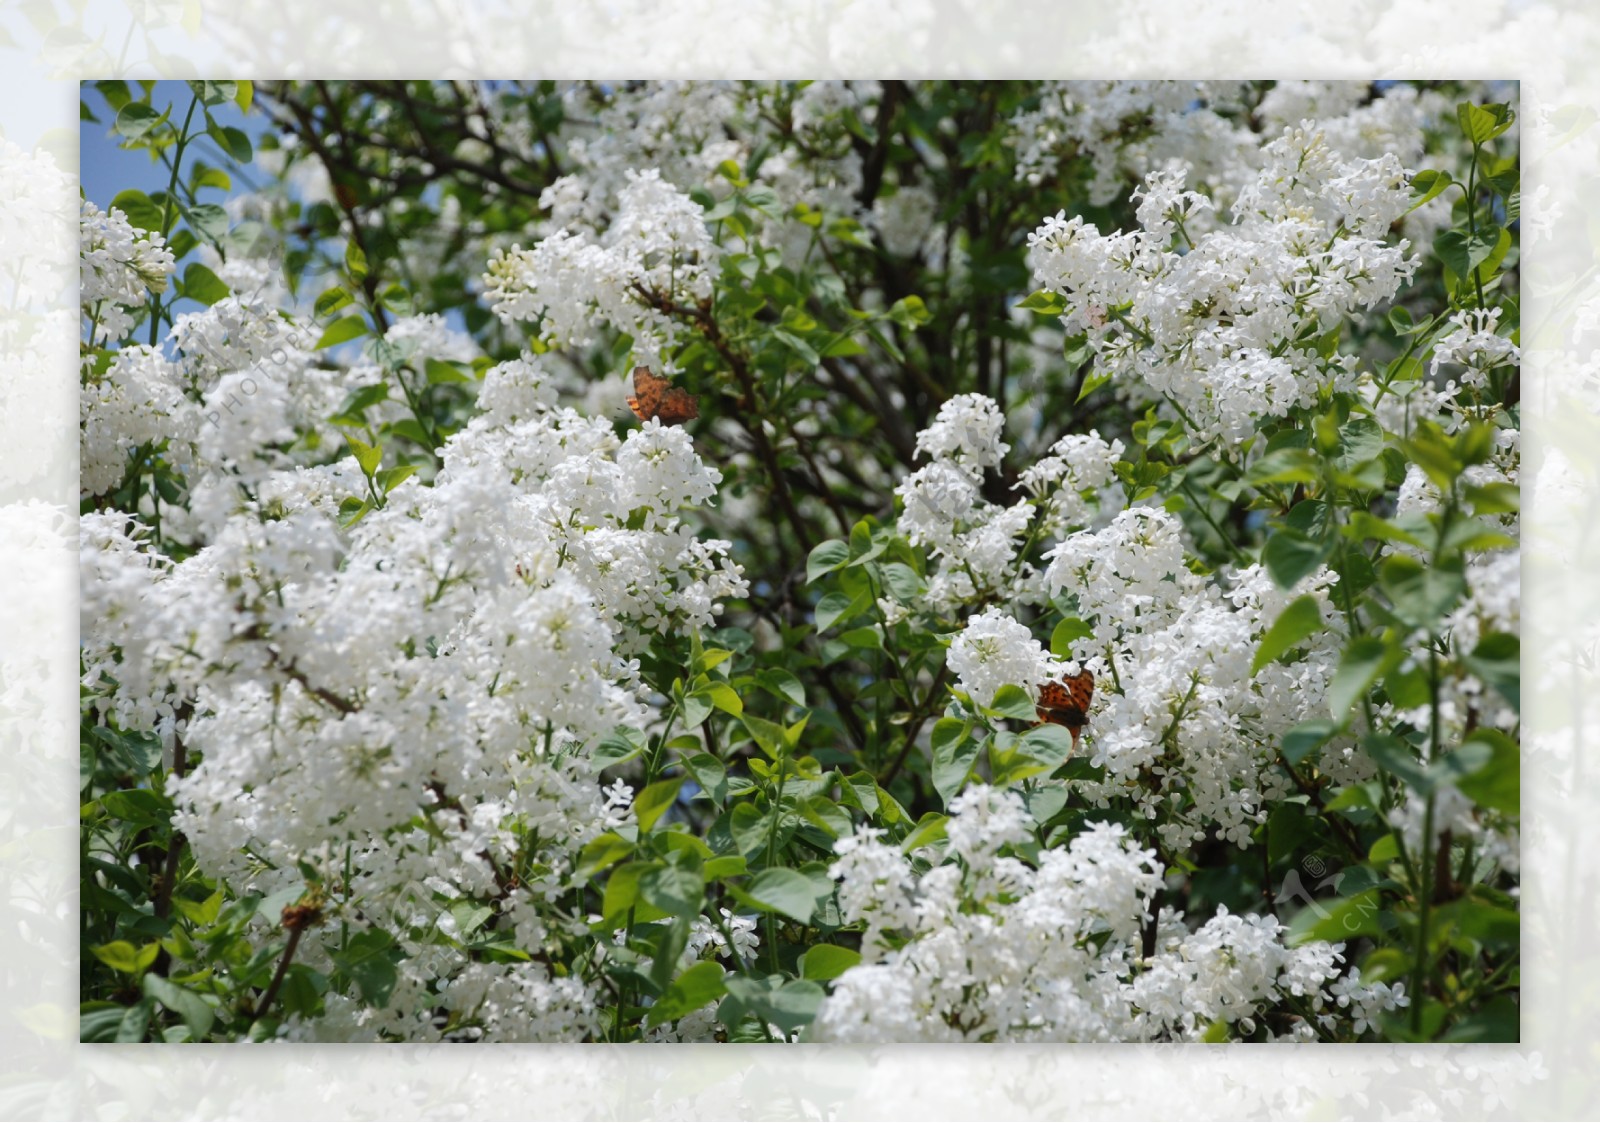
column 46, row 48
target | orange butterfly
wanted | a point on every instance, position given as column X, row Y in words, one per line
column 654, row 396
column 1067, row 703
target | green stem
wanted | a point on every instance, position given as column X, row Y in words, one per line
column 1472, row 219
column 1419, row 970
column 166, row 212
column 1205, row 513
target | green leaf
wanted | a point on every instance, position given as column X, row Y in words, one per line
column 1482, row 123
column 769, row 735
column 391, row 478
column 622, row 895
column 673, row 889
column 440, row 372
column 1013, row 702
column 212, row 93
column 212, row 177
column 1421, row 595
column 138, row 807
column 1287, row 828
column 1397, row 758
column 210, row 220
column 929, row 829
column 1460, row 250
column 696, row 707
column 1426, row 185
column 199, row 912
column 1093, row 382
column 834, row 606
column 1364, row 660
column 600, row 852
column 1284, row 466
column 355, row 261
column 1048, row 743
column 353, row 510
column 200, row 283
column 782, row 684
column 1384, row 851
column 1497, row 660
column 115, row 91
column 1044, row 303
column 136, row 119
column 903, row 582
column 749, row 828
column 781, row 890
column 138, row 209
column 909, row 312
column 368, row 960
column 1342, row 921
column 131, row 752
column 723, row 697
column 1290, row 556
column 122, row 956
column 827, row 961
column 616, row 747
column 726, row 866
column 1065, row 633
column 195, row 1011
column 1498, row 1021
column 1497, row 785
column 1305, row 738
column 135, row 1023
column 653, row 801
column 691, row 990
column 233, row 141
column 1488, row 924
column 331, row 301
column 954, row 752
column 710, row 774
column 788, row 1005
column 369, row 457
column 1300, row 619
column 342, row 331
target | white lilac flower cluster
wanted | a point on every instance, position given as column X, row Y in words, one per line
column 707, row 940
column 994, row 650
column 1476, row 346
column 1492, row 603
column 982, row 946
column 656, row 251
column 1098, row 118
column 1224, row 329
column 1212, row 129
column 139, row 400
column 976, row 542
column 1189, row 732
column 118, row 269
column 791, row 139
column 402, row 704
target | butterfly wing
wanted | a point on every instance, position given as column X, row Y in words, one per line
column 677, row 407
column 1066, row 703
column 654, row 396
column 647, row 391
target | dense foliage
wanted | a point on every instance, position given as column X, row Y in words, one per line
column 429, row 694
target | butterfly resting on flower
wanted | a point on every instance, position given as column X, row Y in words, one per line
column 654, row 396
column 1065, row 702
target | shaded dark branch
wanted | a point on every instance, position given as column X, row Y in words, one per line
column 876, row 159
column 914, row 727
column 750, row 416
column 283, row 969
